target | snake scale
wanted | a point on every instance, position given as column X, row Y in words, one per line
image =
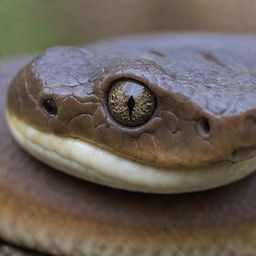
column 169, row 113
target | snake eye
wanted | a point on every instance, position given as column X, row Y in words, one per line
column 50, row 106
column 130, row 103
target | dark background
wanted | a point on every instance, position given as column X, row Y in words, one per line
column 28, row 26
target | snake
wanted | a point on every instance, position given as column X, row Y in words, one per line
column 130, row 143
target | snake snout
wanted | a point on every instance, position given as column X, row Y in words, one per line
column 230, row 135
column 244, row 132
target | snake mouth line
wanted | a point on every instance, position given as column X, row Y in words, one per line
column 89, row 162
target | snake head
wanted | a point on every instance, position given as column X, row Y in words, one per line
column 171, row 121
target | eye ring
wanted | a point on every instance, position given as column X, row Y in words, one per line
column 130, row 103
column 50, row 107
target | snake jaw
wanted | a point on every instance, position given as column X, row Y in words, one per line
column 92, row 163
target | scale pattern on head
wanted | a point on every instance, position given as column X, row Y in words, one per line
column 204, row 97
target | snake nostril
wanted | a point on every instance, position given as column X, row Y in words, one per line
column 203, row 127
column 50, row 106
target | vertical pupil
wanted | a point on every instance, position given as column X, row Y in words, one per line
column 131, row 104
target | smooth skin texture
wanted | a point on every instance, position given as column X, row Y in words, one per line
column 56, row 213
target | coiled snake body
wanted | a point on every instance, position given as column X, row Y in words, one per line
column 162, row 113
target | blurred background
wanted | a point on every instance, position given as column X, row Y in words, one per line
column 29, row 26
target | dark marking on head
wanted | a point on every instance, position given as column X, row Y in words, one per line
column 210, row 57
column 157, row 53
